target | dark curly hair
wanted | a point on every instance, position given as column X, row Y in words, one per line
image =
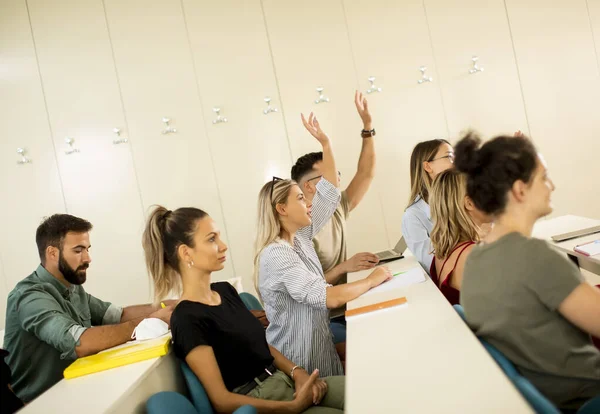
column 52, row 231
column 305, row 164
column 492, row 168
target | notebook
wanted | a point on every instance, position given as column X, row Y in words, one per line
column 123, row 355
column 589, row 249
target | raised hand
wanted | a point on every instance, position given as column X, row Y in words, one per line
column 362, row 106
column 313, row 126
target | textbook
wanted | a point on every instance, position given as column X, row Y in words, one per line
column 119, row 356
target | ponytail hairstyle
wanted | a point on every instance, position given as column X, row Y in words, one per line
column 268, row 223
column 165, row 231
column 493, row 168
column 420, row 181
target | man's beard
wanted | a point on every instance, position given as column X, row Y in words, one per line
column 73, row 276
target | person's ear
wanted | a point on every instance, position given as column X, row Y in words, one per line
column 427, row 167
column 184, row 253
column 52, row 254
column 281, row 209
column 469, row 205
column 519, row 190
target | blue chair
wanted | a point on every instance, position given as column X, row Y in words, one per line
column 590, row 407
column 459, row 309
column 200, row 398
column 540, row 404
column 197, row 393
column 508, row 367
column 169, row 402
column 250, row 301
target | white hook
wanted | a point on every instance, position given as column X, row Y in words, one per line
column 373, row 88
column 219, row 119
column 322, row 98
column 119, row 140
column 424, row 77
column 168, row 129
column 24, row 159
column 70, row 142
column 269, row 108
column 475, row 67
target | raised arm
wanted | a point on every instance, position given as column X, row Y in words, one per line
column 330, row 172
column 328, row 195
column 365, row 172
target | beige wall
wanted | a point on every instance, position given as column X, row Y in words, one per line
column 80, row 68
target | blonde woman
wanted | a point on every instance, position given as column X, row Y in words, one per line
column 288, row 274
column 428, row 159
column 221, row 341
column 457, row 228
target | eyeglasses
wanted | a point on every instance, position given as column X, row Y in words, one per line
column 449, row 156
column 275, row 179
column 321, row 176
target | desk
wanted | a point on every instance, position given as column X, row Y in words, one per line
column 545, row 229
column 420, row 358
column 120, row 390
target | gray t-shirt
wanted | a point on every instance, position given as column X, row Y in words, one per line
column 510, row 292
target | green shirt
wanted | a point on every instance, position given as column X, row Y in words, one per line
column 511, row 292
column 44, row 321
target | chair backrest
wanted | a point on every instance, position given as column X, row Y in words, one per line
column 459, row 309
column 197, row 393
column 250, row 301
column 540, row 404
column 507, row 366
column 590, row 407
column 167, row 402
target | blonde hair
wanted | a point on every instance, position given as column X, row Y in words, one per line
column 268, row 226
column 452, row 222
column 165, row 231
column 420, row 181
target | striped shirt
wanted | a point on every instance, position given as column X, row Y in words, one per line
column 294, row 290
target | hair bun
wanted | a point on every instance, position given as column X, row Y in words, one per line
column 467, row 155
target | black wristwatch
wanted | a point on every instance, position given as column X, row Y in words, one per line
column 367, row 134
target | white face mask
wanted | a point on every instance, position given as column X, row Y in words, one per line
column 149, row 328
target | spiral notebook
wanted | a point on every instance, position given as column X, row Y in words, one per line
column 119, row 356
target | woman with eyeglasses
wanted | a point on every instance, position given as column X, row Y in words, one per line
column 428, row 159
column 287, row 271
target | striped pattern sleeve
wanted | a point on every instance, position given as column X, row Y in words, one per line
column 324, row 205
column 283, row 269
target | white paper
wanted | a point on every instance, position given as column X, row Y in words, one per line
column 410, row 277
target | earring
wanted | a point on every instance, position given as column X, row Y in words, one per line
column 190, row 264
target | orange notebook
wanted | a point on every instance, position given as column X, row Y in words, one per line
column 376, row 306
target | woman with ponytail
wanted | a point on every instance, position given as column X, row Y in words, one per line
column 519, row 293
column 221, row 341
column 428, row 159
column 288, row 273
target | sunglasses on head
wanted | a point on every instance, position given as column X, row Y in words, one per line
column 275, row 179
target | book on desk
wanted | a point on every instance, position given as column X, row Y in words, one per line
column 126, row 354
